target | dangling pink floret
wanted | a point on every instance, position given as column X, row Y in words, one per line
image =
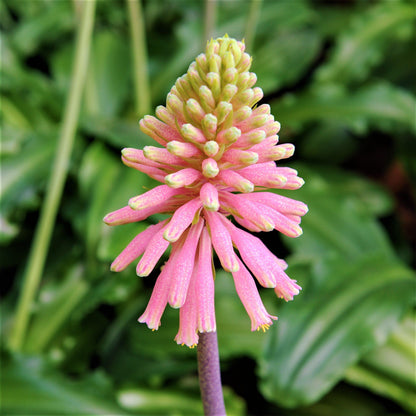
column 218, row 156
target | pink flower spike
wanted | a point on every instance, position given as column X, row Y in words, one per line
column 209, row 197
column 221, row 241
column 184, row 265
column 154, row 251
column 136, row 247
column 215, row 160
column 250, row 298
column 153, row 197
column 181, row 220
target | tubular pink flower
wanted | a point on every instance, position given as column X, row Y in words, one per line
column 250, row 298
column 204, row 284
column 181, row 220
column 136, row 247
column 156, row 247
column 218, row 154
column 185, row 265
column 221, row 241
column 159, row 299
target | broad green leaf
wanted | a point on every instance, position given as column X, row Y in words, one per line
column 332, row 326
column 30, row 387
column 108, row 80
column 341, row 216
column 174, row 402
column 390, row 369
column 366, row 42
column 22, row 176
column 293, row 49
column 118, row 133
column 35, row 30
column 106, row 185
column 379, row 104
column 234, row 327
column 56, row 309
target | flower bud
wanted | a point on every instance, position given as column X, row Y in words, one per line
column 229, row 136
column 209, row 126
column 210, row 168
column 194, row 110
column 242, row 113
column 223, row 110
column 214, row 83
column 207, row 99
column 192, row 134
column 228, row 92
column 230, row 76
column 184, row 150
column 211, row 148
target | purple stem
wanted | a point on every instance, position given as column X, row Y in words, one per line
column 209, row 374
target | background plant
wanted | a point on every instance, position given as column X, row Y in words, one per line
column 339, row 79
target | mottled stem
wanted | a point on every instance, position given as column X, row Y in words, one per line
column 209, row 375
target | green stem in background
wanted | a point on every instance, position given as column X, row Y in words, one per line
column 251, row 23
column 139, row 52
column 209, row 20
column 210, row 375
column 41, row 242
column 52, row 317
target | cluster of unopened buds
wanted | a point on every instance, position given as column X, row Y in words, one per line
column 217, row 157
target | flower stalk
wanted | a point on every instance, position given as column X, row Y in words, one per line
column 139, row 52
column 210, row 375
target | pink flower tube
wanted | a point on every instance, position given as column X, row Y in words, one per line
column 218, row 156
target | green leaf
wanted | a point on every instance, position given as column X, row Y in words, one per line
column 332, row 325
column 341, row 214
column 293, row 49
column 234, row 328
column 23, row 175
column 119, row 133
column 389, row 370
column 367, row 41
column 174, row 402
column 108, row 80
column 46, row 392
column 106, row 185
column 56, row 309
column 35, row 29
column 378, row 104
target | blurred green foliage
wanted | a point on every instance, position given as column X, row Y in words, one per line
column 339, row 78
